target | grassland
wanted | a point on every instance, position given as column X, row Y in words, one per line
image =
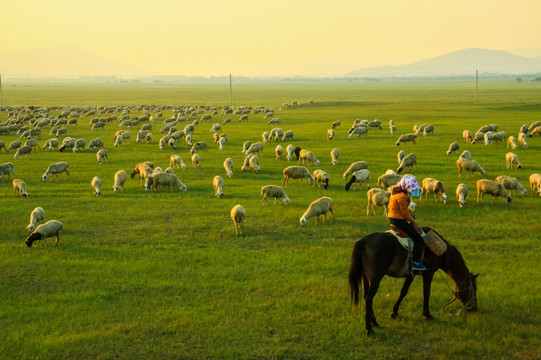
column 162, row 275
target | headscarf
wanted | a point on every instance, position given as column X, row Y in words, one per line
column 410, row 185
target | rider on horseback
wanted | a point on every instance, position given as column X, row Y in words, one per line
column 400, row 216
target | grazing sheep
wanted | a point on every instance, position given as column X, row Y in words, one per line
column 429, row 129
column 318, row 207
column 524, row 128
column 221, row 142
column 42, row 232
column 36, row 216
column 375, row 124
column 200, row 145
column 308, row 156
column 511, row 183
column 226, row 121
column 216, row 127
column 489, row 137
column 356, row 166
column 273, row 191
column 171, row 143
column 274, row 121
column 335, row 153
column 499, row 136
column 453, row 147
column 19, row 188
column 400, row 156
column 96, row 185
column 159, row 179
column 141, row 136
column 392, row 129
column 7, row 168
column 67, row 144
column 358, row 131
column 466, row 154
column 478, row 137
column 461, row 193
column 15, row 144
column 410, row 137
column 534, row 125
column 120, row 179
column 536, row 131
column 485, row 128
column 278, row 152
column 512, row 142
column 289, row 135
column 188, row 140
column 377, row 197
column 321, row 177
column 23, row 150
column 164, row 140
column 2, row 146
column 408, row 162
column 218, row 183
column 255, row 148
column 101, row 155
column 330, row 134
column 290, row 149
column 176, row 162
column 55, row 169
column 95, row 144
column 143, row 170
column 493, row 188
column 470, row 166
column 522, row 140
column 33, row 143
column 265, row 136
column 253, row 163
column 238, row 215
column 535, row 183
column 278, row 134
column 148, row 138
column 359, row 177
column 511, row 160
column 228, row 166
column 388, row 179
column 195, row 160
column 296, row 172
column 79, row 143
column 431, row 185
column 243, row 118
column 246, row 146
column 336, row 124
column 466, row 136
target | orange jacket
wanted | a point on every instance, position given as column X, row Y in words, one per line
column 398, row 206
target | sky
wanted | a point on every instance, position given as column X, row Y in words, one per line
column 264, row 38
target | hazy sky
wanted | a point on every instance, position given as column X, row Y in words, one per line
column 277, row 37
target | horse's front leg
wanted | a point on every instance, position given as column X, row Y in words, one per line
column 427, row 283
column 403, row 293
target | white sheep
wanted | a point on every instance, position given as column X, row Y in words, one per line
column 253, row 163
column 228, row 166
column 330, row 134
column 489, row 137
column 359, row 177
column 36, row 216
column 336, row 124
column 218, row 184
column 19, row 188
column 356, row 166
column 79, row 144
column 318, row 207
column 8, row 169
column 96, row 185
column 377, row 197
column 188, row 140
column 297, row 172
column 50, row 144
column 524, row 128
column 42, row 232
column 23, row 150
column 466, row 154
column 273, row 191
column 238, row 215
column 400, row 156
column 534, row 125
column 535, row 183
column 195, row 160
column 290, row 149
column 359, row 131
column 308, row 156
column 536, row 131
column 453, row 147
column 431, row 185
column 511, row 160
column 511, row 183
column 216, row 127
column 466, row 136
column 429, row 129
column 405, row 138
column 499, row 136
column 94, row 144
column 321, row 177
column 470, row 166
column 120, row 179
column 159, row 179
column 15, row 144
column 493, row 188
column 101, row 155
column 255, row 148
column 265, row 136
column 278, row 152
column 335, row 153
column 408, row 162
column 522, row 140
column 55, row 169
column 461, row 193
column 479, row 136
column 512, row 142
column 287, row 135
column 392, row 129
column 176, row 162
column 388, row 179
column 246, row 146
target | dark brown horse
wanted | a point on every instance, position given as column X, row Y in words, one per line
column 379, row 254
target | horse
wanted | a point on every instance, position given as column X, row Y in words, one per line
column 379, row 254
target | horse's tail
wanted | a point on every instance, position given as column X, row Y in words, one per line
column 355, row 272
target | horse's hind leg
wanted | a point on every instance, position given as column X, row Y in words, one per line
column 370, row 318
column 403, row 293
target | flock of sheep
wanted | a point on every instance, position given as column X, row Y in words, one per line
column 30, row 123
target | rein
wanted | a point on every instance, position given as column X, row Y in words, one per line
column 471, row 299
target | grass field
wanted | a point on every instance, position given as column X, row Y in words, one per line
column 140, row 275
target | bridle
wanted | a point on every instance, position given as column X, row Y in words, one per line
column 472, row 298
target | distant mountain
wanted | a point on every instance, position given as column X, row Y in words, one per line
column 63, row 61
column 459, row 63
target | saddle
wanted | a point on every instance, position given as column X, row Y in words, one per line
column 402, row 237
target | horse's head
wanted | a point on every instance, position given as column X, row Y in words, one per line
column 468, row 294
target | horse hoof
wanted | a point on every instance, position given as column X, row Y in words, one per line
column 429, row 317
column 394, row 315
column 369, row 332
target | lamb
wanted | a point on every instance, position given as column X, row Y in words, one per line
column 79, row 143
column 290, row 149
column 255, row 148
column 335, row 153
column 408, row 162
column 200, row 145
column 511, row 183
column 321, row 177
column 218, row 183
column 470, row 166
column 512, row 142
column 228, row 166
column 431, row 185
column 19, row 188
column 120, row 179
column 36, row 216
column 535, row 183
column 330, row 134
column 359, row 165
column 377, row 197
column 159, row 179
column 511, row 160
column 7, row 168
column 318, row 207
column 195, row 160
column 96, row 184
column 55, row 169
column 466, row 135
column 493, row 188
column 388, row 179
column 289, row 135
column 400, row 156
column 23, row 150
column 278, row 152
column 246, row 146
column 359, row 177
column 273, row 191
column 453, row 147
column 308, row 156
column 522, row 140
column 410, row 137
column 461, row 193
column 15, row 144
column 297, row 172
column 176, row 162
column 42, row 232
column 238, row 215
column 101, row 155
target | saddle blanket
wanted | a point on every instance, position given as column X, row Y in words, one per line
column 405, row 241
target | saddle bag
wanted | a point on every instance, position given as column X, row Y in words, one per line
column 435, row 243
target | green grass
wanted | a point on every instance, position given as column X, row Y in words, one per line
column 162, row 275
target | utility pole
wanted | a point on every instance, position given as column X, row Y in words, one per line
column 476, row 85
column 230, row 91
